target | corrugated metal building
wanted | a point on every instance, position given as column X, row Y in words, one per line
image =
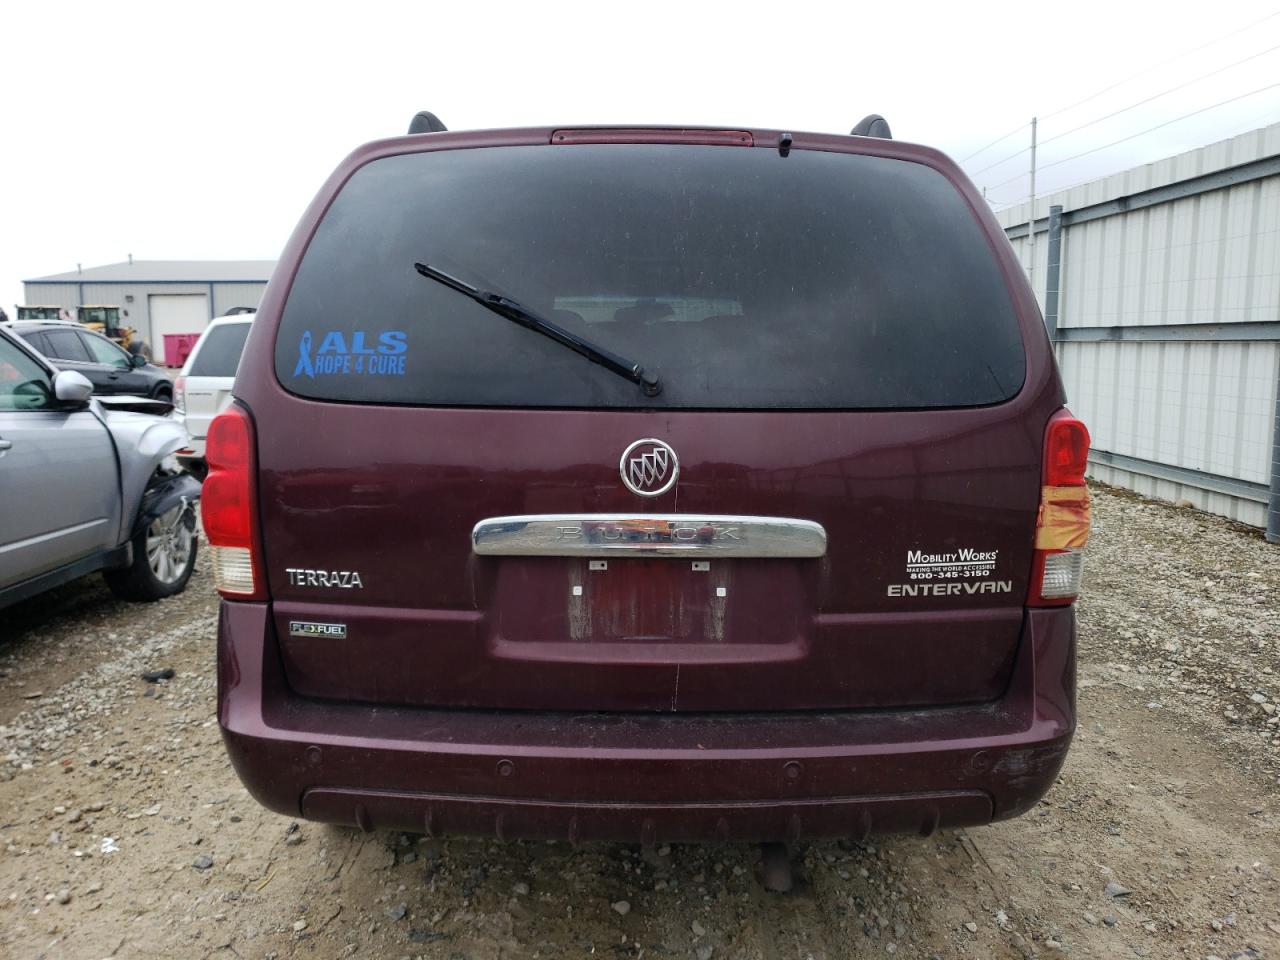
column 158, row 296
column 1166, row 319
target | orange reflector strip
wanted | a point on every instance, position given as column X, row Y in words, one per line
column 1065, row 517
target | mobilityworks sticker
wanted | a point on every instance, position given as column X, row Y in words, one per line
column 338, row 357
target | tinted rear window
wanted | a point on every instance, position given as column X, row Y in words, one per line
column 742, row 278
column 65, row 345
column 219, row 353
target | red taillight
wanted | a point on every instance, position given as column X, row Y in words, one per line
column 1062, row 526
column 1066, row 451
column 228, row 506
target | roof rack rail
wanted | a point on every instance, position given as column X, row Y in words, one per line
column 26, row 322
column 872, row 125
column 424, row 121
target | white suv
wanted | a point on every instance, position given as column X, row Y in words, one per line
column 203, row 388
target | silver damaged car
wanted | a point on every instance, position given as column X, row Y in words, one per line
column 87, row 486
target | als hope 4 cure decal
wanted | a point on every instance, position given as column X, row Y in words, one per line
column 353, row 354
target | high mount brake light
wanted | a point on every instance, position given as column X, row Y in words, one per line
column 229, row 506
column 714, row 138
column 1062, row 526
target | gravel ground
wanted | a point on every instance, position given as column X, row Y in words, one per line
column 126, row 834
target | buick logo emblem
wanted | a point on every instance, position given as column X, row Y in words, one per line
column 649, row 467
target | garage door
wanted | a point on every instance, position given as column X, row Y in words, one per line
column 175, row 313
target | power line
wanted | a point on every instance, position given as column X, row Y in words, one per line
column 1018, row 129
column 1163, row 93
column 1158, row 126
column 1134, row 136
column 1005, row 160
column 1013, row 179
column 1154, row 66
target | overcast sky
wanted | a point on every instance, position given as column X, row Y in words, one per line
column 176, row 131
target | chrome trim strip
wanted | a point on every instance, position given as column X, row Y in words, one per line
column 654, row 535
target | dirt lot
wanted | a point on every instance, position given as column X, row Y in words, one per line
column 125, row 833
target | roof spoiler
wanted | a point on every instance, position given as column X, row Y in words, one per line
column 424, row 121
column 872, row 125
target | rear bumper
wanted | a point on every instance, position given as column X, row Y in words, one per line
column 191, row 457
column 194, row 448
column 645, row 777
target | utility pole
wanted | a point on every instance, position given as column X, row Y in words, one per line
column 1031, row 225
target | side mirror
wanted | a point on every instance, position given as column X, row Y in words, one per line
column 71, row 387
column 137, row 359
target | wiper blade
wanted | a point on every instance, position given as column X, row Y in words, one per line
column 518, row 313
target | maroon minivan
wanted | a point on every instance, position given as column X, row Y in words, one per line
column 647, row 484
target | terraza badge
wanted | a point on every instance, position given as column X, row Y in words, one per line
column 342, row 579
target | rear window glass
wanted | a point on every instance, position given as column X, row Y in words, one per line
column 220, row 350
column 65, row 345
column 743, row 279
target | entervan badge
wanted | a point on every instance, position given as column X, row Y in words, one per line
column 649, row 467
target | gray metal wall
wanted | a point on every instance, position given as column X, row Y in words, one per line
column 1169, row 320
column 221, row 296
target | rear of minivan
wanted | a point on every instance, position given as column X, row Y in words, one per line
column 647, row 483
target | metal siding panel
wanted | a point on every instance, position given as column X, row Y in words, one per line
column 1146, row 403
column 1257, row 423
column 1133, row 229
column 1224, row 410
column 1069, row 279
column 1160, row 264
column 1125, row 397
column 1265, row 298
column 1104, row 401
column 1238, row 243
column 1194, row 408
column 1207, row 257
column 1064, row 297
column 1042, row 266
column 48, row 294
column 1112, row 248
column 1173, row 366
column 1076, row 265
column 1178, row 260
column 226, row 296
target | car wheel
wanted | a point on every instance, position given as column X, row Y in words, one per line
column 164, row 555
column 164, row 394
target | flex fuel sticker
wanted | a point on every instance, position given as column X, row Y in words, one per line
column 305, row 628
column 353, row 355
column 954, row 573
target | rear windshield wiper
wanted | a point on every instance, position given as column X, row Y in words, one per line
column 518, row 313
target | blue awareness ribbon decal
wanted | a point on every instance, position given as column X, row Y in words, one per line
column 304, row 357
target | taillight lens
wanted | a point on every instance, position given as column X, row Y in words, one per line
column 180, row 394
column 1062, row 526
column 1066, row 451
column 228, row 506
